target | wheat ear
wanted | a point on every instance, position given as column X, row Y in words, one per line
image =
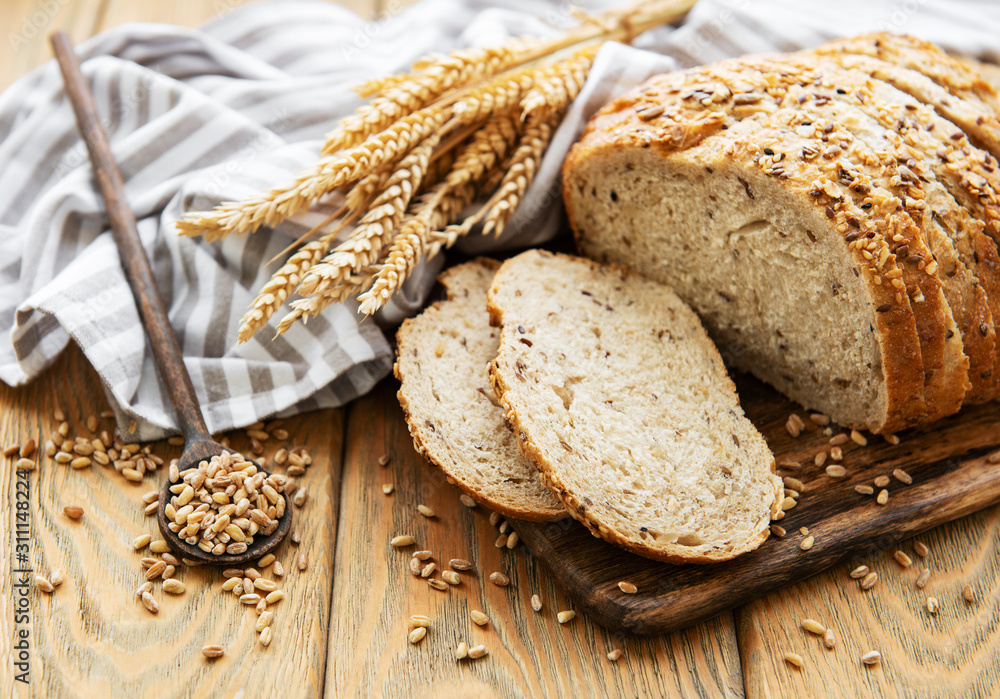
column 558, row 84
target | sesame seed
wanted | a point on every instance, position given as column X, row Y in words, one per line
column 402, row 540
column 924, row 576
column 903, row 559
column 872, row 657
column 864, row 489
column 778, row 531
column 807, row 543
column 813, row 626
column 869, row 581
column 933, row 605
column 628, row 588
column 881, row 481
column 565, row 617
column 614, row 655
column 902, row 476
column 967, row 594
column 794, row 659
column 883, row 497
column 836, row 471
column 921, row 549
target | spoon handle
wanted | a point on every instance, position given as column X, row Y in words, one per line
column 166, row 350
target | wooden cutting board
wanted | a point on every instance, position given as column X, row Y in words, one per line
column 955, row 469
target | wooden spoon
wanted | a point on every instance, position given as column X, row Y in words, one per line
column 198, row 443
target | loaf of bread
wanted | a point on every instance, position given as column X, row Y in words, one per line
column 615, row 391
column 832, row 215
column 452, row 413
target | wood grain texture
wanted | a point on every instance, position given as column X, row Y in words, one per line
column 845, row 524
column 91, row 637
column 530, row 654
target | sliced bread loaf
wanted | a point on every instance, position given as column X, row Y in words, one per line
column 452, row 413
column 616, row 392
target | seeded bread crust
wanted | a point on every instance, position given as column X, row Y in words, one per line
column 854, row 164
column 661, row 462
column 450, row 409
column 639, row 122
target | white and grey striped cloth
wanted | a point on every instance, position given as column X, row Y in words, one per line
column 197, row 117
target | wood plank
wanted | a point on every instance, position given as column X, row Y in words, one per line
column 91, row 637
column 843, row 522
column 530, row 654
column 953, row 653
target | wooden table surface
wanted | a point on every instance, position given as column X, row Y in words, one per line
column 342, row 628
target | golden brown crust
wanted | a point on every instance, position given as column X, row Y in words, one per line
column 620, row 125
column 576, row 506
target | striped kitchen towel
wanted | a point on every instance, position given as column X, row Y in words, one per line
column 197, row 117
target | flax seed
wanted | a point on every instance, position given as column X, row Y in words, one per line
column 836, row 471
column 478, row 652
column 859, row 572
column 902, row 476
column 807, row 543
column 903, row 559
column 813, row 626
column 864, row 489
column 869, row 581
column 402, row 540
column 536, row 603
column 437, row 584
column 499, row 579
column 460, row 564
column 213, row 651
column 794, row 659
column 467, row 501
column 881, row 481
column 387, row 488
column 872, row 657
column 565, row 617
column 628, row 588
column 883, row 497
column 150, row 603
column 462, row 651
column 478, row 618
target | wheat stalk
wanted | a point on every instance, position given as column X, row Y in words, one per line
column 559, row 84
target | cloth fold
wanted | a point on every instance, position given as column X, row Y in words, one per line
column 201, row 116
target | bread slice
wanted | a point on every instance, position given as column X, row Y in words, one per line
column 790, row 268
column 616, row 392
column 452, row 413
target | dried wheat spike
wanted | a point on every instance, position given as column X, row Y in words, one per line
column 441, row 73
column 374, row 230
column 484, row 150
column 282, row 283
column 410, row 245
column 521, row 171
column 303, row 309
column 497, row 95
column 273, row 207
column 559, row 84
